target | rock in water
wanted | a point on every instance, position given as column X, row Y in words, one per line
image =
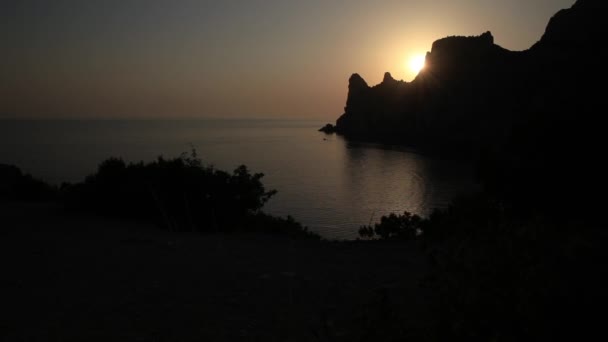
column 328, row 129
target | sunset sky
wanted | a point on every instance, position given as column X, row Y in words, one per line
column 228, row 59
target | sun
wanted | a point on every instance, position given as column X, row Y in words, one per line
column 416, row 63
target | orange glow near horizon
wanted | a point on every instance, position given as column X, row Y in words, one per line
column 416, row 63
column 204, row 59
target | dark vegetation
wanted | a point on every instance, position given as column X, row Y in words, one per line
column 179, row 194
column 394, row 227
column 14, row 184
column 499, row 275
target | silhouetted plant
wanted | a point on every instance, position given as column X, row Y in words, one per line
column 265, row 223
column 15, row 185
column 181, row 193
column 498, row 276
column 404, row 227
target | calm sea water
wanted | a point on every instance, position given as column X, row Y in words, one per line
column 331, row 185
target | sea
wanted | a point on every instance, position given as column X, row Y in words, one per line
column 331, row 185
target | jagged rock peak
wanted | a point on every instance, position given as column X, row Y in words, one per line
column 357, row 82
column 388, row 78
column 487, row 37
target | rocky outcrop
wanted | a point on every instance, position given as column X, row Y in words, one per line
column 473, row 92
column 454, row 84
column 328, row 129
column 579, row 26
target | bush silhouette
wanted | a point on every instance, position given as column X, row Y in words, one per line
column 15, row 185
column 402, row 227
column 497, row 275
column 180, row 193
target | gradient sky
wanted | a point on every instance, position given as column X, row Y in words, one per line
column 228, row 59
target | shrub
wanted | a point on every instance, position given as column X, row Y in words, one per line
column 277, row 225
column 403, row 227
column 498, row 276
column 180, row 193
column 15, row 185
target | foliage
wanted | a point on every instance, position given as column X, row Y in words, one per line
column 15, row 185
column 502, row 278
column 180, row 193
column 403, row 227
column 261, row 222
column 497, row 275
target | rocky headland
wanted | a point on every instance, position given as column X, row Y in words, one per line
column 473, row 92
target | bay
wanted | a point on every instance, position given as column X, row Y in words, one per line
column 329, row 184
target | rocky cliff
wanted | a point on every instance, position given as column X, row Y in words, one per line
column 473, row 92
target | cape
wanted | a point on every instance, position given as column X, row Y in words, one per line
column 472, row 92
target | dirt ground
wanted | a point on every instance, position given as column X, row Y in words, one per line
column 76, row 277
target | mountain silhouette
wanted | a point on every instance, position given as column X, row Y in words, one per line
column 533, row 120
column 474, row 92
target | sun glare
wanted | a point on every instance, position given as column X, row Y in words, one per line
column 416, row 63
